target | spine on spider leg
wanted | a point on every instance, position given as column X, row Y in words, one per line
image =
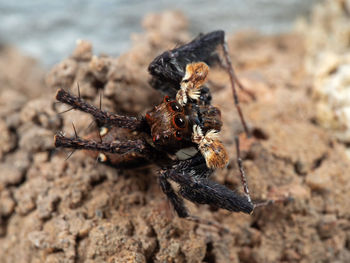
column 104, row 117
column 119, row 148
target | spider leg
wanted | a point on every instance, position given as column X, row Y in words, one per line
column 119, row 154
column 222, row 62
column 204, row 191
column 245, row 183
column 234, row 80
column 180, row 207
column 274, row 201
column 241, row 170
column 102, row 117
column 203, row 49
column 196, row 187
column 210, row 41
column 175, row 200
column 117, row 147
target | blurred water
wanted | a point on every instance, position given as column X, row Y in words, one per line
column 48, row 30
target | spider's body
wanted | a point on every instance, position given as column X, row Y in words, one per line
column 172, row 121
column 184, row 120
column 165, row 130
column 170, row 126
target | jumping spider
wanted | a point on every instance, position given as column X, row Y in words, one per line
column 180, row 135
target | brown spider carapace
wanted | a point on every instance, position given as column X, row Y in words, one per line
column 180, row 135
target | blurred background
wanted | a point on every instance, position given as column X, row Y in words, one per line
column 47, row 30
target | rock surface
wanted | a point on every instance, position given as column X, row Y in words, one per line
column 328, row 61
column 57, row 210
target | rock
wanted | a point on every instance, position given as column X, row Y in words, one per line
column 40, row 239
column 10, row 175
column 7, row 204
column 11, row 101
column 319, row 181
column 83, row 50
column 328, row 60
column 46, row 205
column 40, row 112
column 35, row 139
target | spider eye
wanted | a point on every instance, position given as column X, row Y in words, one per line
column 166, row 99
column 178, row 135
column 179, row 121
column 176, row 106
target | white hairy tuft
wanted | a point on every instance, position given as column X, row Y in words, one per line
column 181, row 95
column 211, row 148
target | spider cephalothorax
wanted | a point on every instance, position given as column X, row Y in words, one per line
column 184, row 120
column 169, row 125
column 172, row 122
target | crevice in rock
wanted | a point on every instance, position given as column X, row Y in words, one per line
column 260, row 134
column 298, row 168
column 79, row 258
column 255, row 225
column 3, row 225
column 96, row 181
column 98, row 84
column 151, row 257
column 318, row 162
column 209, row 254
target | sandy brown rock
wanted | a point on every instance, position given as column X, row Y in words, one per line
column 57, row 210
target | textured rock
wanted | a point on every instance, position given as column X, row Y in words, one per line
column 328, row 60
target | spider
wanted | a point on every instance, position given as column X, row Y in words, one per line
column 180, row 134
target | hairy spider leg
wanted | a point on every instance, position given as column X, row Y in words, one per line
column 222, row 62
column 116, row 151
column 76, row 136
column 203, row 47
column 117, row 147
column 180, row 207
column 176, row 201
column 65, row 111
column 192, row 177
column 241, row 170
column 103, row 117
column 116, row 154
column 245, row 183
